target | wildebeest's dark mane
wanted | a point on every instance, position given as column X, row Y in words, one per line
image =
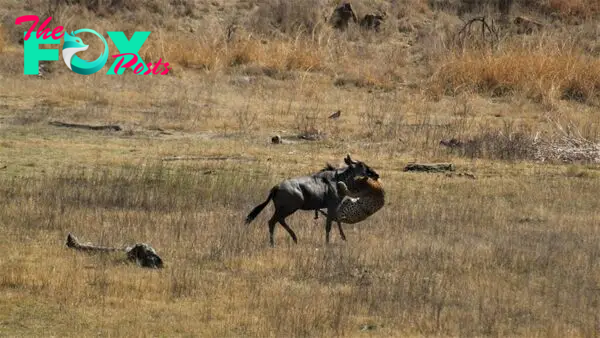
column 328, row 166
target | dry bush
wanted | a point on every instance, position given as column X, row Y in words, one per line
column 97, row 6
column 104, row 7
column 281, row 55
column 288, row 17
column 373, row 65
column 215, row 53
column 568, row 144
column 500, row 145
column 565, row 9
column 410, row 8
column 563, row 144
column 568, row 10
column 544, row 72
column 192, row 53
column 471, row 7
column 437, row 39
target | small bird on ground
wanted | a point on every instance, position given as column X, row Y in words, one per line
column 336, row 115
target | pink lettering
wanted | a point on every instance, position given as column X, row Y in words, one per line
column 26, row 18
column 167, row 69
column 156, row 65
column 128, row 64
column 57, row 30
column 149, row 70
column 152, row 68
column 138, row 69
column 43, row 30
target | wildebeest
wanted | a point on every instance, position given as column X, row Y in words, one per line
column 341, row 16
column 312, row 192
column 372, row 21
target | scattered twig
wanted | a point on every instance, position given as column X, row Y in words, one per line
column 467, row 175
column 569, row 146
column 566, row 145
column 207, row 158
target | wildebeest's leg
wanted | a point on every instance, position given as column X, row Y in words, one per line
column 339, row 226
column 341, row 231
column 327, row 229
column 316, row 213
column 289, row 230
column 272, row 223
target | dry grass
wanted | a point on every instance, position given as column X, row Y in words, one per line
column 512, row 253
column 451, row 268
column 217, row 54
column 568, row 9
column 545, row 72
column 3, row 37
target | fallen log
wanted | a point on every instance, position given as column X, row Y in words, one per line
column 433, row 167
column 141, row 253
column 110, row 127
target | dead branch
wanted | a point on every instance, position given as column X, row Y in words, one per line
column 490, row 30
column 73, row 243
column 110, row 127
column 434, row 167
column 141, row 253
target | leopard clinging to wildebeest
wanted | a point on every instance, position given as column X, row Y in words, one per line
column 360, row 199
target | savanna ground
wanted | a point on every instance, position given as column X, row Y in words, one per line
column 514, row 252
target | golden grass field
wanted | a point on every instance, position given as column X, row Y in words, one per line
column 513, row 252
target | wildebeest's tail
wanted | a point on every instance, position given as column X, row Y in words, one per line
column 252, row 215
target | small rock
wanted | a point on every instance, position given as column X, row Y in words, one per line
column 368, row 327
column 336, row 115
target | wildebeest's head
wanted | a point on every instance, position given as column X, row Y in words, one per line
column 360, row 168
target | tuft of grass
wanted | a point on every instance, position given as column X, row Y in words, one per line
column 3, row 38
